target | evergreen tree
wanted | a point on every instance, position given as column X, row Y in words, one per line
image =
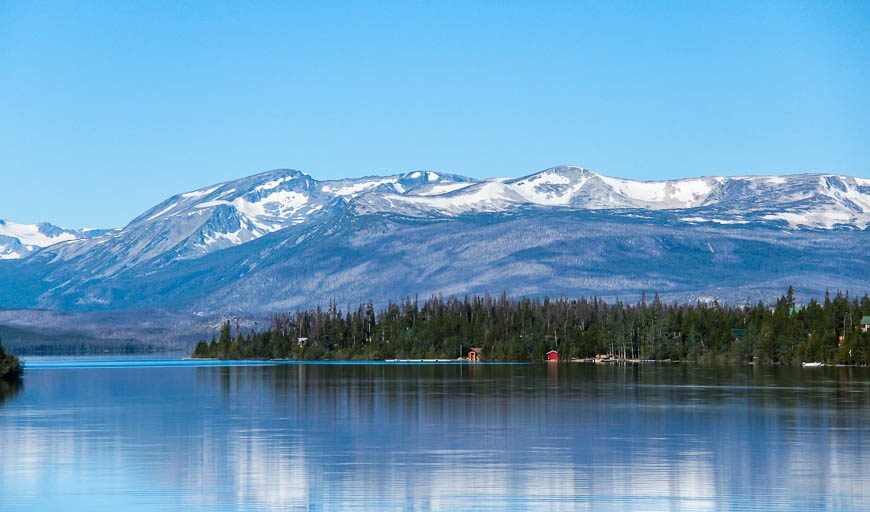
column 11, row 369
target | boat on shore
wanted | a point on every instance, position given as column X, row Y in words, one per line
column 811, row 365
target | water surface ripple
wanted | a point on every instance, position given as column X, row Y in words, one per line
column 170, row 434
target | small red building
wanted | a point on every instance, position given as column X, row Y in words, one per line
column 552, row 356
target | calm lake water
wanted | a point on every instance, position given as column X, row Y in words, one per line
column 160, row 435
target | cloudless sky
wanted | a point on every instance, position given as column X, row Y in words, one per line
column 107, row 108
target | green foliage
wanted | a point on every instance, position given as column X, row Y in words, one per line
column 525, row 329
column 11, row 369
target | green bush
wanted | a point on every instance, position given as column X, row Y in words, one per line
column 10, row 367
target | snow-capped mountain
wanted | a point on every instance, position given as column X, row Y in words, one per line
column 239, row 211
column 216, row 217
column 213, row 218
column 820, row 201
column 281, row 239
column 21, row 240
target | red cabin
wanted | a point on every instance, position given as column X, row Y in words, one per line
column 552, row 356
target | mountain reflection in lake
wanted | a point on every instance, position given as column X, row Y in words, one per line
column 146, row 435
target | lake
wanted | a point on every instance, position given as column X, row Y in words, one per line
column 164, row 435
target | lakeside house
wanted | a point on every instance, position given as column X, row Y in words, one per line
column 552, row 356
column 865, row 323
column 474, row 354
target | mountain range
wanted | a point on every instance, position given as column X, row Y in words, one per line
column 281, row 239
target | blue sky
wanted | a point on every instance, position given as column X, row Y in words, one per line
column 107, row 108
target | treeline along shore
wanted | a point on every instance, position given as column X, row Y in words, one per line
column 829, row 330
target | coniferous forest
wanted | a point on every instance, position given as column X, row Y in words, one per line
column 509, row 329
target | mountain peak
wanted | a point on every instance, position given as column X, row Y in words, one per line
column 20, row 240
column 422, row 175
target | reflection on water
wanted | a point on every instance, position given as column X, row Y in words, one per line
column 436, row 437
column 8, row 389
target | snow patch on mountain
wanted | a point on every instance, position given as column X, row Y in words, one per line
column 39, row 235
column 434, row 190
column 551, row 187
column 352, row 188
column 21, row 240
column 672, row 194
column 480, row 197
column 819, row 218
column 199, row 193
column 699, row 220
column 266, row 213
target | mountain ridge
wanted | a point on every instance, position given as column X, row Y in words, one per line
column 214, row 247
column 555, row 187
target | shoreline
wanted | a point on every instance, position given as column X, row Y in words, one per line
column 170, row 356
